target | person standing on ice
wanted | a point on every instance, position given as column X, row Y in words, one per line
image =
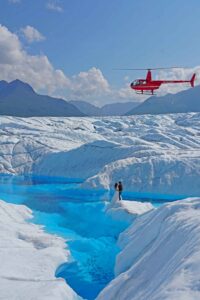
column 116, row 187
column 120, row 189
column 115, row 197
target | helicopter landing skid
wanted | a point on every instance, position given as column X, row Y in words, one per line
column 145, row 93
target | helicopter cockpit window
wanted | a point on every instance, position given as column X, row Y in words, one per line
column 136, row 82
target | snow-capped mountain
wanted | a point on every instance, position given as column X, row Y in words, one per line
column 19, row 99
column 185, row 101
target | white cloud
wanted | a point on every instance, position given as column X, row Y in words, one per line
column 90, row 85
column 37, row 70
column 177, row 74
column 31, row 34
column 54, row 5
column 127, row 94
column 11, row 52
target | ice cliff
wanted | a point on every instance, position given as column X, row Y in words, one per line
column 29, row 258
column 155, row 154
column 160, row 257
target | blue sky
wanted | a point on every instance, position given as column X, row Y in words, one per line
column 87, row 39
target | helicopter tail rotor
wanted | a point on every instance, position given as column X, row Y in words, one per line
column 192, row 80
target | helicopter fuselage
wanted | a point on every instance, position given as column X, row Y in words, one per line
column 148, row 85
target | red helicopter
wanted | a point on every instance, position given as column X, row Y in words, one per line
column 148, row 86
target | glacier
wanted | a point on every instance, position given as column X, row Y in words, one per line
column 160, row 257
column 151, row 155
column 148, row 153
column 29, row 257
column 84, row 249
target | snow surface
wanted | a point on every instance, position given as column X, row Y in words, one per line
column 151, row 154
column 124, row 210
column 29, row 258
column 160, row 257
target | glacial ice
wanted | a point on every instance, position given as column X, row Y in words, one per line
column 29, row 257
column 159, row 256
column 159, row 155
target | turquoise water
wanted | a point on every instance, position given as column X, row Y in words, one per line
column 78, row 216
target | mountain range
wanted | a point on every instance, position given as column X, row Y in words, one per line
column 19, row 99
column 185, row 101
column 113, row 109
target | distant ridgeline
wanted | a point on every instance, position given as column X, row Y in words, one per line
column 113, row 109
column 19, row 99
column 185, row 101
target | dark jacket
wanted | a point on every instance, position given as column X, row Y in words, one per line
column 120, row 187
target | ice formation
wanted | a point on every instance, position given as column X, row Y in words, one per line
column 158, row 154
column 29, row 258
column 160, row 257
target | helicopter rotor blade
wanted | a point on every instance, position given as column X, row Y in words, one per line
column 149, row 69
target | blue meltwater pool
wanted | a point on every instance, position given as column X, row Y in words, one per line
column 79, row 217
